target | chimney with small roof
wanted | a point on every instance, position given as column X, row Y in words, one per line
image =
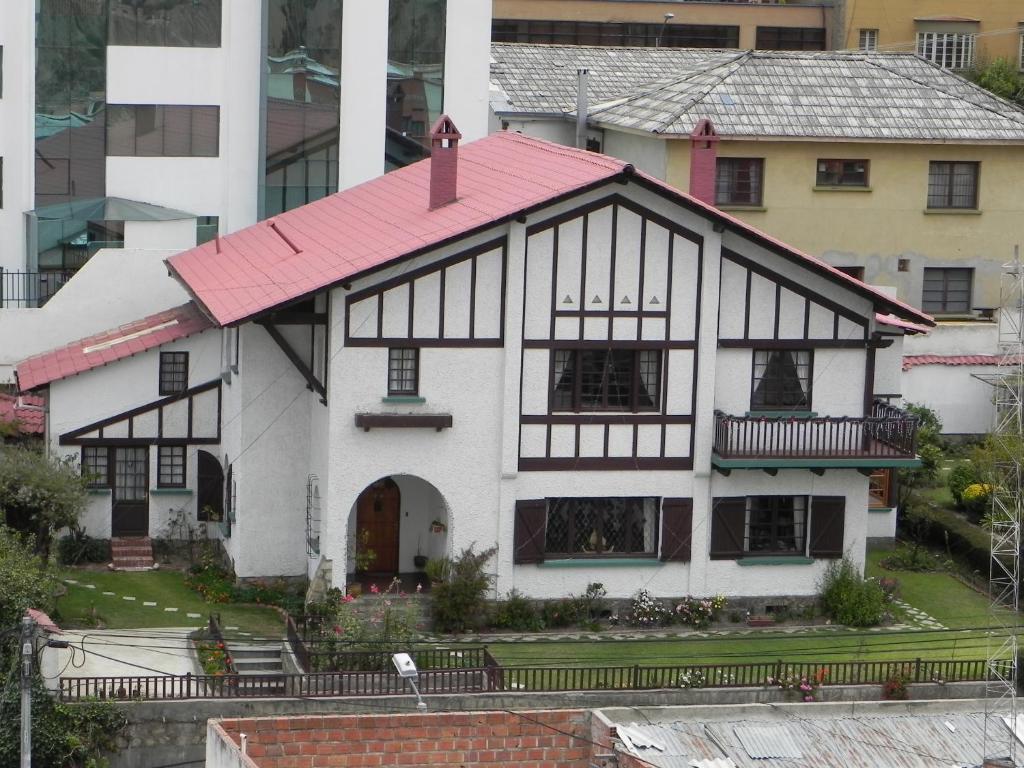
column 444, row 162
column 703, row 157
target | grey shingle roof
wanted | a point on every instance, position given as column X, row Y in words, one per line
column 815, row 94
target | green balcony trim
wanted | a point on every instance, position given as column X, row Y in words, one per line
column 611, row 562
column 775, row 560
column 782, row 414
column 99, row 491
column 407, row 399
column 170, row 491
column 768, row 462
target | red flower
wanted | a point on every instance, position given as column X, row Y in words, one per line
column 375, row 589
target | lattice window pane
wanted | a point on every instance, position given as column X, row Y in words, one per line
column 94, row 465
column 403, row 371
column 564, row 376
column 776, row 524
column 738, row 181
column 171, row 466
column 650, row 378
column 602, row 526
column 131, row 470
column 173, row 372
column 782, row 379
column 868, row 40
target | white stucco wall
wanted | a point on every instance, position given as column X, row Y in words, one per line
column 953, row 338
column 17, row 106
column 647, row 153
column 881, row 524
column 962, row 402
column 467, row 72
column 889, row 368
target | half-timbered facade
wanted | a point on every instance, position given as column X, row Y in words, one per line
column 527, row 346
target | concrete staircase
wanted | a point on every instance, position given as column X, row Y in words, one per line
column 258, row 663
column 132, row 553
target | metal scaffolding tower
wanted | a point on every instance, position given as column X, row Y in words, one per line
column 1007, row 508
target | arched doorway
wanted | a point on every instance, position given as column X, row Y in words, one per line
column 378, row 517
column 210, row 488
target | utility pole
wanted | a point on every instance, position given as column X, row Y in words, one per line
column 27, row 631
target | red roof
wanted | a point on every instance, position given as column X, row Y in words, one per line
column 346, row 234
column 910, row 361
column 26, row 412
column 895, row 322
column 43, row 621
column 106, row 347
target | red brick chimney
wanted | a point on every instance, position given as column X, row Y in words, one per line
column 444, row 162
column 703, row 156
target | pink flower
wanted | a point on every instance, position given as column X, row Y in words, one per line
column 374, row 589
column 348, row 598
column 338, row 630
column 419, row 588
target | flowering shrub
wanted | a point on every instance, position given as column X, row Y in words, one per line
column 976, row 497
column 895, row 686
column 647, row 611
column 693, row 678
column 700, row 612
column 800, row 687
column 213, row 657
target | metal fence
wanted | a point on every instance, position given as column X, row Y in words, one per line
column 492, row 678
column 26, row 290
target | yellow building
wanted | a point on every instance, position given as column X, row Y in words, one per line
column 795, row 25
column 953, row 33
column 884, row 165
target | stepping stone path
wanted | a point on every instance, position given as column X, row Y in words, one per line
column 920, row 618
column 127, row 597
column 110, row 594
column 148, row 604
column 194, row 615
column 171, row 610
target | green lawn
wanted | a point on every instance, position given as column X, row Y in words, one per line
column 166, row 589
column 938, row 594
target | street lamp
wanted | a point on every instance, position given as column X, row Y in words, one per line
column 668, row 18
column 407, row 671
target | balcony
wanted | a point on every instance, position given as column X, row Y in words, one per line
column 886, row 438
column 28, row 290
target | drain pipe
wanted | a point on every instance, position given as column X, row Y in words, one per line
column 582, row 107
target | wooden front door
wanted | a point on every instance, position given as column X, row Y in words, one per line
column 378, row 510
column 130, row 510
column 210, row 488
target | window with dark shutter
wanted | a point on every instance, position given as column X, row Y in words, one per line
column 728, row 521
column 529, row 531
column 828, row 514
column 676, row 529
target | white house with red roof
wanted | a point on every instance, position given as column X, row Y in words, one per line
column 513, row 343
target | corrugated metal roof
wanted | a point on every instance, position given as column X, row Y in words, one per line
column 768, row 741
column 794, row 94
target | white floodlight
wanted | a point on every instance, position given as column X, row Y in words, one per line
column 407, row 671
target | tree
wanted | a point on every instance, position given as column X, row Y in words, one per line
column 40, row 494
column 1001, row 78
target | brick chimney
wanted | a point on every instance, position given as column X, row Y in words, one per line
column 703, row 156
column 444, row 162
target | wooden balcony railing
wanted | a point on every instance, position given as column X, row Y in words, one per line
column 888, row 433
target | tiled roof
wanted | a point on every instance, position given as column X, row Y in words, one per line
column 349, row 233
column 26, row 412
column 911, row 361
column 125, row 341
column 812, row 94
column 895, row 322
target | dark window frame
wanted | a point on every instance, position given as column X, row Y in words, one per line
column 610, row 33
column 945, row 172
column 171, row 363
column 397, row 358
column 940, row 302
column 574, row 403
column 602, row 527
column 727, row 190
column 169, row 452
column 100, row 479
column 776, row 528
column 790, row 39
column 780, row 386
column 842, row 177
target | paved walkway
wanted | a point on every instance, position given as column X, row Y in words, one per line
column 131, row 652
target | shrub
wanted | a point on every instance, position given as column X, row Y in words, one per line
column 458, row 602
column 518, row 613
column 699, row 612
column 895, row 686
column 848, row 598
column 591, row 603
column 647, row 611
column 560, row 613
column 77, row 547
column 912, row 558
column 965, row 473
column 799, row 687
column 976, row 498
column 693, row 678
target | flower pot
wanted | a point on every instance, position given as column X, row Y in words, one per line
column 419, row 561
column 355, row 589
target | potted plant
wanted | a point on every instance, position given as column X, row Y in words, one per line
column 419, row 560
column 437, row 569
column 437, row 526
column 365, row 555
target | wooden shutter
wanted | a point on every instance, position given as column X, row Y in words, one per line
column 531, row 521
column 676, row 529
column 828, row 517
column 728, row 523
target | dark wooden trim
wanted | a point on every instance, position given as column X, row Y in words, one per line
column 300, row 365
column 869, row 382
column 442, row 284
column 380, row 313
column 607, row 344
column 412, row 309
column 793, row 286
column 778, row 309
column 611, row 278
column 746, row 306
column 605, row 417
column 610, row 313
column 190, row 405
column 74, row 437
column 640, row 284
column 792, row 344
column 554, row 284
column 418, row 343
column 504, row 290
column 593, row 463
column 129, row 441
column 472, row 300
column 297, row 318
column 807, row 317
column 583, row 273
column 668, row 284
column 437, row 421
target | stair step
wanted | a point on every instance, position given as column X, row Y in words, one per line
column 245, row 650
column 258, row 666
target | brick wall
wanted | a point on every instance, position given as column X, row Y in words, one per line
column 536, row 739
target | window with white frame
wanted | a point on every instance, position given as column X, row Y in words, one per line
column 868, row 40
column 953, row 50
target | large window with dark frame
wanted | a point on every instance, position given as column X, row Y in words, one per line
column 605, row 379
column 947, row 290
column 602, row 527
column 842, row 173
column 790, row 39
column 776, row 525
column 615, row 33
column 739, row 181
column 781, row 380
column 173, row 372
column 95, row 465
column 170, row 466
column 403, row 371
column 953, row 184
column 162, row 130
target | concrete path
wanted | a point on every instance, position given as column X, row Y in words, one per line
column 111, row 652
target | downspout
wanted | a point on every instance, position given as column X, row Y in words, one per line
column 582, row 107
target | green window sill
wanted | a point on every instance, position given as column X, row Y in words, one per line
column 783, row 414
column 775, row 560
column 841, row 188
column 170, row 491
column 881, row 510
column 611, row 562
column 952, row 211
column 99, row 491
column 408, row 399
column 755, row 208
